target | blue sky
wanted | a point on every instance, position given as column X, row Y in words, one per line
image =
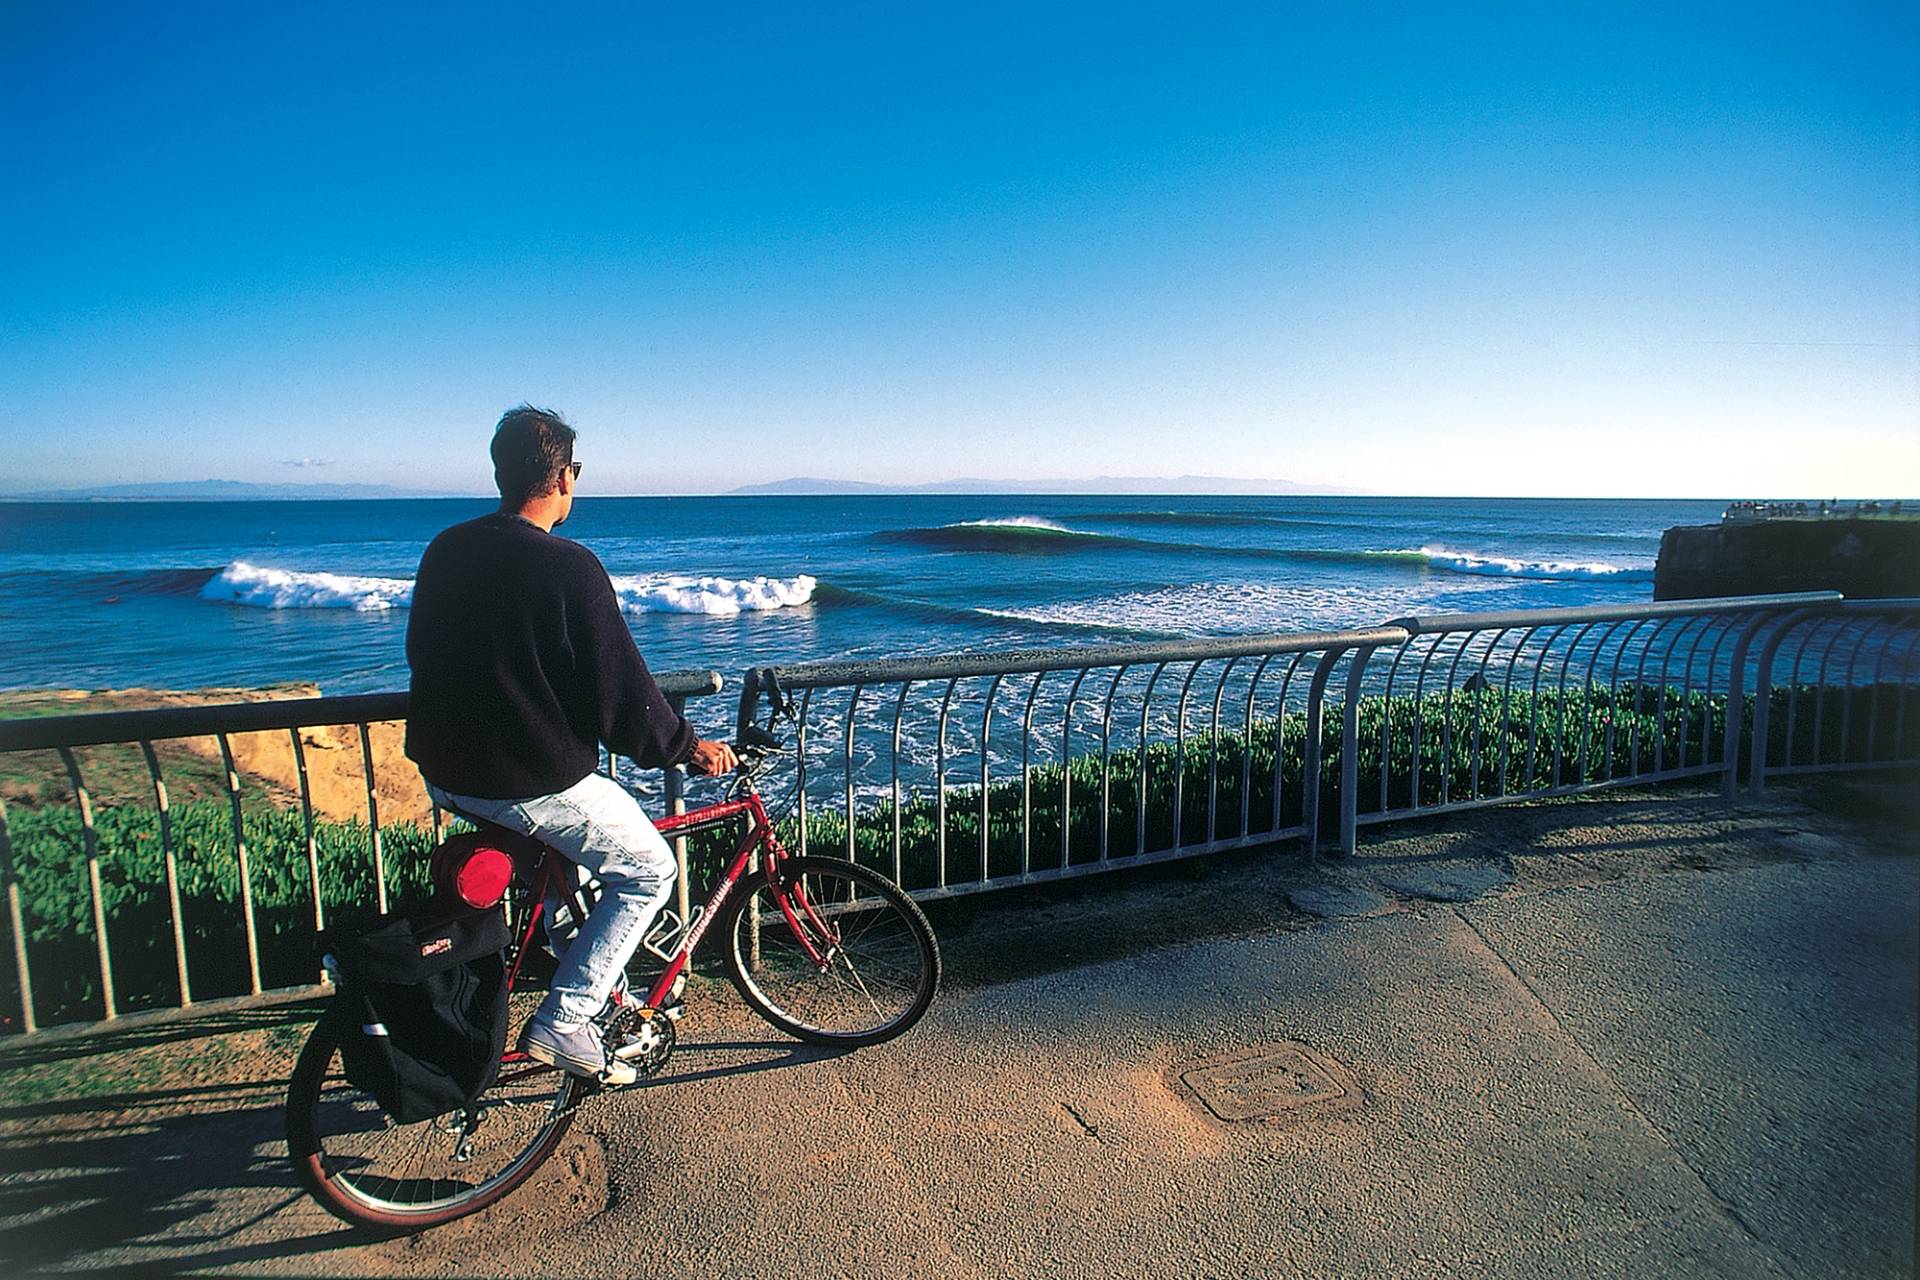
column 1593, row 250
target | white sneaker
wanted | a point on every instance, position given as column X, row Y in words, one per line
column 577, row 1051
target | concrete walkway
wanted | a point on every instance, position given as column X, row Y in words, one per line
column 1668, row 1071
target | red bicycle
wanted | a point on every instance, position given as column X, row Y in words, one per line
column 827, row 951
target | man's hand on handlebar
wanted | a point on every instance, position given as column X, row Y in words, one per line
column 712, row 758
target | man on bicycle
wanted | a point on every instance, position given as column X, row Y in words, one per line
column 522, row 666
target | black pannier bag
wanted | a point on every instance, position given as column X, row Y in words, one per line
column 423, row 1002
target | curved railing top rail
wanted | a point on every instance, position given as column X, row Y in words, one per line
column 809, row 675
column 1433, row 623
column 101, row 727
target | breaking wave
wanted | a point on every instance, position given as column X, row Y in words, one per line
column 716, row 597
column 1034, row 536
column 264, row 588
column 1508, row 567
column 257, row 586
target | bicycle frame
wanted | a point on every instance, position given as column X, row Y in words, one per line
column 799, row 913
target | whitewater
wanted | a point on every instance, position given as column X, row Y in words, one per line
column 241, row 583
column 185, row 595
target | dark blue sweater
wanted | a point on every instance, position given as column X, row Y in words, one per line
column 523, row 665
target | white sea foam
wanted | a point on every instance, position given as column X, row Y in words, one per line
column 264, row 588
column 1018, row 522
column 1226, row 608
column 717, row 596
column 1508, row 567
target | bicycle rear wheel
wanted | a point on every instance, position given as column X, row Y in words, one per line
column 364, row 1168
column 861, row 967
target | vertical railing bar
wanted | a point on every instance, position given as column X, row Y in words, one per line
column 1846, row 689
column 1639, row 688
column 673, row 789
column 1180, row 756
column 1066, row 768
column 1533, row 716
column 1586, row 722
column 1613, row 690
column 986, row 760
column 899, row 710
column 164, row 808
column 800, row 768
column 1873, row 703
column 1479, row 709
column 1106, row 773
column 846, row 760
column 1686, row 696
column 1506, row 707
column 1213, row 767
column 1350, row 753
column 246, row 870
column 1762, row 694
column 1820, row 684
column 91, row 843
column 1310, row 750
column 1446, row 717
column 306, row 818
column 1660, row 699
column 1900, row 706
column 1793, row 686
column 1280, row 740
column 1026, row 776
column 1560, row 734
column 1419, row 711
column 1246, row 755
column 16, row 920
column 1386, row 721
column 1729, row 731
column 940, row 789
column 373, row 817
column 1705, row 712
column 1140, row 765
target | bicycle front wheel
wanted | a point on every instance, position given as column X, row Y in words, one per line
column 367, row 1170
column 849, row 961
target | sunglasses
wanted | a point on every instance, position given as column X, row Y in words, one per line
column 575, row 468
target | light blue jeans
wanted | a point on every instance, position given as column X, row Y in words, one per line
column 601, row 828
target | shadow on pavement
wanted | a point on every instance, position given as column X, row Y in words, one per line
column 76, row 1193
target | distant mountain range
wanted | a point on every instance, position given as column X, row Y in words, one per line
column 243, row 490
column 216, row 491
column 1098, row 484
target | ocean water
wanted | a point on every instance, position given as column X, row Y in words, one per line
column 196, row 594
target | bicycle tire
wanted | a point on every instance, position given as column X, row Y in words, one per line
column 327, row 1120
column 884, row 946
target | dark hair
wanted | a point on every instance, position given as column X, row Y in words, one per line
column 531, row 447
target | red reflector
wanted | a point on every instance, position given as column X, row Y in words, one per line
column 482, row 879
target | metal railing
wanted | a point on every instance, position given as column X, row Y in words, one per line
column 959, row 774
column 1852, row 712
column 1120, row 725
column 1489, row 708
column 1434, row 715
column 67, row 735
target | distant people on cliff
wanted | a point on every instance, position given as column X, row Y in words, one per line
column 1826, row 509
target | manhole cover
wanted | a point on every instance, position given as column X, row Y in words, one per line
column 1275, row 1081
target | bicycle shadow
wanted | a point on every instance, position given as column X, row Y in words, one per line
column 778, row 1055
column 164, row 1188
column 184, row 1193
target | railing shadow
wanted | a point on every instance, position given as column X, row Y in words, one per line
column 162, row 1190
